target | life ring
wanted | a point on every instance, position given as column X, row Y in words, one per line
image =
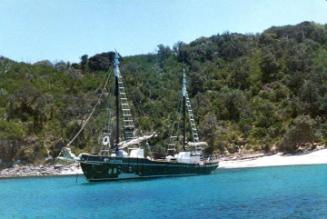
column 105, row 140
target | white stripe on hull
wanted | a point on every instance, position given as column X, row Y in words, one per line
column 150, row 164
column 142, row 177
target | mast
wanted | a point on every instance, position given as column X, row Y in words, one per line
column 184, row 109
column 117, row 75
column 188, row 108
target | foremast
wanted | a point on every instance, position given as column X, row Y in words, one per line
column 121, row 103
column 184, row 94
column 117, row 75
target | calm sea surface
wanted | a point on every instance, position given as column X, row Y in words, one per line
column 279, row 192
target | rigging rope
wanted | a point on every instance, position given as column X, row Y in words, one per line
column 175, row 127
column 91, row 114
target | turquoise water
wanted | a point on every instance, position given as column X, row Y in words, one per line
column 279, row 192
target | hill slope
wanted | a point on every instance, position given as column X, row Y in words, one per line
column 256, row 92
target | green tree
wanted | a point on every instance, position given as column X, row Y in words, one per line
column 84, row 60
column 302, row 131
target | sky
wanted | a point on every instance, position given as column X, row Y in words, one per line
column 34, row 30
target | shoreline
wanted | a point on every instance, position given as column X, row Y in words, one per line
column 315, row 157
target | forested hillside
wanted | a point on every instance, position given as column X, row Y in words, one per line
column 264, row 91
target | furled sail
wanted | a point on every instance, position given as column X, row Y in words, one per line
column 198, row 144
column 136, row 141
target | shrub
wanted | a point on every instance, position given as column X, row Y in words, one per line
column 301, row 132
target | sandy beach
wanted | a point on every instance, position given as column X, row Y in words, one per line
column 279, row 159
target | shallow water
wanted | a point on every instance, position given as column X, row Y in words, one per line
column 278, row 192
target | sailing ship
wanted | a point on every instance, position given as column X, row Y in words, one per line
column 126, row 159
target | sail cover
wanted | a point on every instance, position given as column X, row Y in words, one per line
column 198, row 144
column 135, row 141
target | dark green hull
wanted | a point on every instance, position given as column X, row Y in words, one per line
column 97, row 168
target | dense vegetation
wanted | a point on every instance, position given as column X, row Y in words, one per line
column 249, row 92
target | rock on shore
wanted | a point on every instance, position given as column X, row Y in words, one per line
column 41, row 170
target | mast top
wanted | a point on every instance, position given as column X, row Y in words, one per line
column 116, row 65
column 184, row 84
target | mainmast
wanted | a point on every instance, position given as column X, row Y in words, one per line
column 187, row 107
column 117, row 75
column 186, row 112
